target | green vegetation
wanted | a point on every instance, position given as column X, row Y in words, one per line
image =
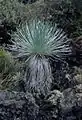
column 67, row 13
column 6, row 62
column 15, row 12
column 9, row 75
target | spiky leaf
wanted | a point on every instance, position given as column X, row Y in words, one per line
column 40, row 38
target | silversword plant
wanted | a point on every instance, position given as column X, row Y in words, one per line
column 35, row 42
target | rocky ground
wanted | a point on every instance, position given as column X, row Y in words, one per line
column 66, row 105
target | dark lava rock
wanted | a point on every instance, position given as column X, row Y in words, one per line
column 5, row 30
column 66, row 105
column 70, row 103
column 62, row 76
column 17, row 106
column 77, row 49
